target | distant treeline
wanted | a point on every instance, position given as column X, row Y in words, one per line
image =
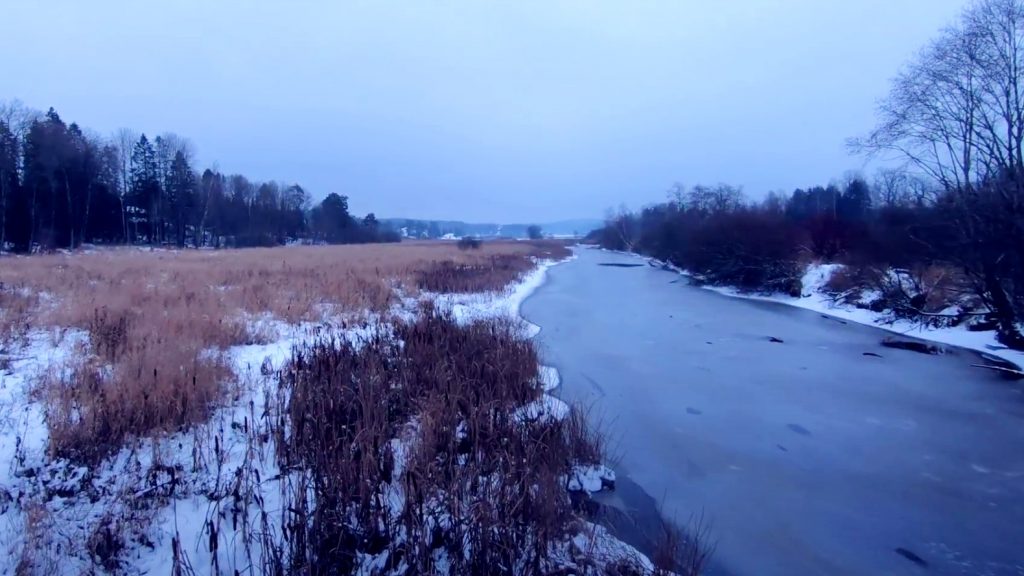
column 61, row 187
column 714, row 231
column 414, row 228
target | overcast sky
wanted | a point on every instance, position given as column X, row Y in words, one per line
column 482, row 111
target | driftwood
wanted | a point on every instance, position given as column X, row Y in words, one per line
column 1008, row 372
column 913, row 346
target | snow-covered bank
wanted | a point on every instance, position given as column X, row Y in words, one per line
column 815, row 296
column 468, row 307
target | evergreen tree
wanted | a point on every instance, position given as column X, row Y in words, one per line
column 144, row 199
column 180, row 196
column 10, row 188
column 331, row 220
column 855, row 202
column 60, row 188
column 46, row 153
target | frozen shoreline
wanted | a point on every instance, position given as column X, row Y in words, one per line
column 815, row 299
column 818, row 301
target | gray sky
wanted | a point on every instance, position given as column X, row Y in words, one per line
column 482, row 111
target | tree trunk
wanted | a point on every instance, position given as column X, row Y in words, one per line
column 3, row 211
column 1008, row 333
column 124, row 222
column 32, row 218
column 85, row 219
column 201, row 233
column 71, row 211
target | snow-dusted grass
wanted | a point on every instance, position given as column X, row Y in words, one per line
column 213, row 497
column 478, row 306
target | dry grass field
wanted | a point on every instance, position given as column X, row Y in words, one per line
column 155, row 317
column 388, row 435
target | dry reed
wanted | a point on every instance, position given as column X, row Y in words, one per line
column 157, row 318
column 473, row 486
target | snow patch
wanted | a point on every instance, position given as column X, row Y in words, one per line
column 547, row 408
column 549, row 378
column 469, row 307
column 590, row 478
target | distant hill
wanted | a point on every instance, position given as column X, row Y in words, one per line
column 415, row 228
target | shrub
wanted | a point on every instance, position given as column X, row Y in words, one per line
column 256, row 239
column 494, row 273
column 748, row 249
column 849, row 283
column 921, row 293
column 469, row 243
column 157, row 386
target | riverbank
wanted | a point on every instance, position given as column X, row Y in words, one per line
column 815, row 296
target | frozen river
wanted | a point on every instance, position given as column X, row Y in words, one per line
column 808, row 456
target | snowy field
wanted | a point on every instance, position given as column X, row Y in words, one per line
column 209, row 498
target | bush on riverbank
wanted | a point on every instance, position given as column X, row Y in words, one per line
column 736, row 245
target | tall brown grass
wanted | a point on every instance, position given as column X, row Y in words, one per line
column 154, row 318
column 479, row 489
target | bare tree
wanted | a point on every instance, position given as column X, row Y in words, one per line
column 890, row 187
column 930, row 117
column 623, row 226
column 774, row 202
column 173, row 144
column 15, row 121
column 956, row 113
column 18, row 117
column 708, row 199
column 124, row 139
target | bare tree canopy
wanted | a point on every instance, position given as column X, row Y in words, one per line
column 956, row 112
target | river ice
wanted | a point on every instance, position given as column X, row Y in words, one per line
column 825, row 453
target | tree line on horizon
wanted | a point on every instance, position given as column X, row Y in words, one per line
column 727, row 238
column 434, row 229
column 61, row 187
column 954, row 118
